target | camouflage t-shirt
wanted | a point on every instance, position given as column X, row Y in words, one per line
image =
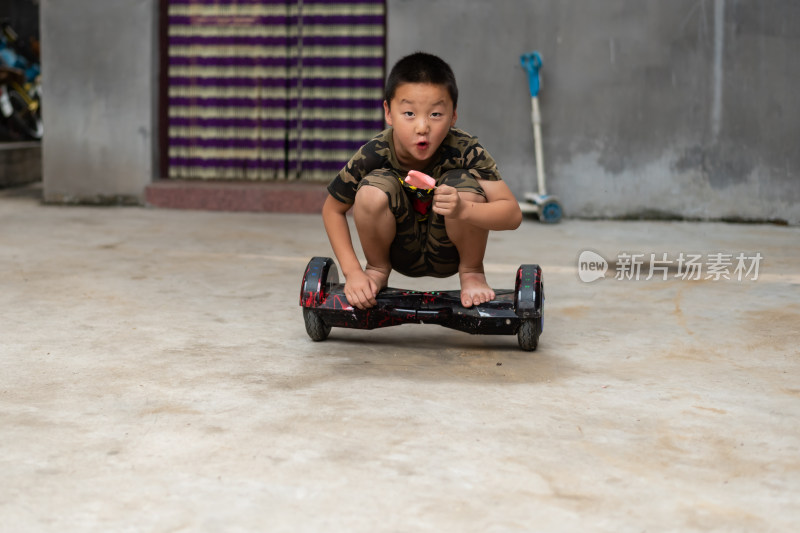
column 459, row 150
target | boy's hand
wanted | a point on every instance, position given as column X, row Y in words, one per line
column 446, row 201
column 360, row 290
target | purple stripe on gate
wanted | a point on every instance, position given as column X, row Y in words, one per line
column 344, row 2
column 227, row 102
column 335, row 103
column 231, row 20
column 274, row 20
column 228, row 142
column 344, row 82
column 220, row 162
column 340, row 61
column 230, row 40
column 330, row 124
column 348, row 20
column 245, row 123
column 333, row 165
column 236, row 2
column 229, row 61
column 243, row 61
column 324, row 124
column 219, row 81
column 354, row 103
column 344, row 40
column 272, row 2
column 209, row 81
column 313, row 144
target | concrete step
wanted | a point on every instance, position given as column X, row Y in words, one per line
column 263, row 196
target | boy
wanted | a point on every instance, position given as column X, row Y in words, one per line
column 417, row 232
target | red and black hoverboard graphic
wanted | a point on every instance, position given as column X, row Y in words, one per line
column 513, row 312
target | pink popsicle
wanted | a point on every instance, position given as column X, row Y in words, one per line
column 420, row 180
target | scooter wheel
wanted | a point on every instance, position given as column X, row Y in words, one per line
column 528, row 334
column 315, row 327
column 550, row 211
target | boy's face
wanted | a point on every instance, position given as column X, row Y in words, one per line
column 421, row 115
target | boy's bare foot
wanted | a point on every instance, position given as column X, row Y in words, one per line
column 474, row 289
column 380, row 277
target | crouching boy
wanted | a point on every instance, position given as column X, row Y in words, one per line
column 418, row 232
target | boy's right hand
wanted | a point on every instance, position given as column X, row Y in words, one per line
column 360, row 290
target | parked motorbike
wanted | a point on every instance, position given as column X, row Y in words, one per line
column 20, row 85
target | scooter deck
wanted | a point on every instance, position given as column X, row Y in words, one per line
column 400, row 306
column 519, row 311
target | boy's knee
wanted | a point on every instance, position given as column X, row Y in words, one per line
column 380, row 189
column 371, row 199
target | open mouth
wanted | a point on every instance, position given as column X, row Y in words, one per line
column 423, row 145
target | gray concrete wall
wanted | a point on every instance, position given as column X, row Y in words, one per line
column 661, row 108
column 654, row 108
column 100, row 73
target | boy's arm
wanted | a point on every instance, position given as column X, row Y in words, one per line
column 500, row 211
column 360, row 289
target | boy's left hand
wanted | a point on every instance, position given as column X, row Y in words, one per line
column 446, row 201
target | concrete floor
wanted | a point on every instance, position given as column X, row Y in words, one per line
column 156, row 376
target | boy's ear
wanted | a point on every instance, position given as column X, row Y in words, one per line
column 386, row 115
column 455, row 117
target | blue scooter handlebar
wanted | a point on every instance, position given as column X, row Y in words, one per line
column 532, row 62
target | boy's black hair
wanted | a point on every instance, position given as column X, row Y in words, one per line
column 421, row 67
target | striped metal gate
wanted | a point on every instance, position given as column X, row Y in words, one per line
column 271, row 89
